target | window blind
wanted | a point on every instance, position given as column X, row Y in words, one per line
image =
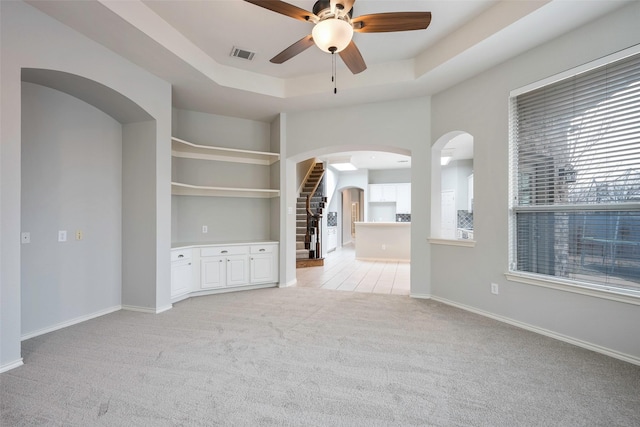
column 576, row 187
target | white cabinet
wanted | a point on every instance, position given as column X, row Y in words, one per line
column 264, row 264
column 224, row 266
column 332, row 238
column 213, row 272
column 382, row 192
column 181, row 272
column 470, row 192
column 188, row 150
column 403, row 198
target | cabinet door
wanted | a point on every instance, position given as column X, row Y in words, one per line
column 181, row 276
column 213, row 272
column 237, row 270
column 382, row 192
column 332, row 238
column 388, row 192
column 263, row 268
column 375, row 193
column 403, row 198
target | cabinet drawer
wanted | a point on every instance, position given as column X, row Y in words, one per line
column 263, row 249
column 180, row 254
column 224, row 250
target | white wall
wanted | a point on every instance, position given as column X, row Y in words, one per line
column 463, row 275
column 227, row 218
column 71, row 180
column 32, row 39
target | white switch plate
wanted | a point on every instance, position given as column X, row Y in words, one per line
column 62, row 235
column 494, row 288
column 205, row 229
column 25, row 237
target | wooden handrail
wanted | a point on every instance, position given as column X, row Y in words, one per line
column 310, row 195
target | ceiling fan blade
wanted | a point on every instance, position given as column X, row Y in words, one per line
column 346, row 6
column 284, row 9
column 296, row 48
column 391, row 21
column 353, row 58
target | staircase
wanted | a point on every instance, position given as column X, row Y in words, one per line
column 308, row 248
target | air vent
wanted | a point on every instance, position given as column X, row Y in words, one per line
column 241, row 53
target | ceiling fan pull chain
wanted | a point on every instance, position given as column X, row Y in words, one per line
column 333, row 70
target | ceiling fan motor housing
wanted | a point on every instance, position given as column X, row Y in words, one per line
column 322, row 7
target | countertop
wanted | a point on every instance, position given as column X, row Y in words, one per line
column 379, row 224
column 185, row 245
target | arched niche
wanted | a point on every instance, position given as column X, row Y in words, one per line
column 135, row 286
column 452, row 187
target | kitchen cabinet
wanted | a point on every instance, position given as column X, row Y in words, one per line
column 181, row 272
column 263, row 264
column 403, row 198
column 382, row 192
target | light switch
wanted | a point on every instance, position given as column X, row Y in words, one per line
column 205, row 229
column 62, row 235
column 25, row 237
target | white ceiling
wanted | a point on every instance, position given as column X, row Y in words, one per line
column 188, row 44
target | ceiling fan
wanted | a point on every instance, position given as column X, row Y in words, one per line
column 334, row 27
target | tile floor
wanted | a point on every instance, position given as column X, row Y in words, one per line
column 341, row 271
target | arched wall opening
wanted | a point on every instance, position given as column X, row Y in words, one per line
column 355, row 180
column 86, row 205
column 452, row 187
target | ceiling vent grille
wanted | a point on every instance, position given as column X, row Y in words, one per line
column 241, row 53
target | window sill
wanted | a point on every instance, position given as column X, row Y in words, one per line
column 614, row 294
column 452, row 242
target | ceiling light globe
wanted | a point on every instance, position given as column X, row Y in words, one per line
column 332, row 33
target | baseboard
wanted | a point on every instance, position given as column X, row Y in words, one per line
column 383, row 259
column 288, row 284
column 420, row 296
column 148, row 310
column 565, row 338
column 70, row 322
column 11, row 365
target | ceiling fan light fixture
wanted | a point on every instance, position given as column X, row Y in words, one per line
column 332, row 34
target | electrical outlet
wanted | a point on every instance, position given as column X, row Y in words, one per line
column 205, row 229
column 79, row 235
column 494, row 288
column 62, row 235
column 384, row 247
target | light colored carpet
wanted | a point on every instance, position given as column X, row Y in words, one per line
column 314, row 357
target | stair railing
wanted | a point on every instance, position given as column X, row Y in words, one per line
column 313, row 236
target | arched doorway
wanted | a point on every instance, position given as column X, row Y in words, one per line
column 349, row 203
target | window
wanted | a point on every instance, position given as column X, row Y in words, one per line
column 575, row 159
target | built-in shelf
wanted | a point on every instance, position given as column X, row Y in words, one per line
column 184, row 149
column 180, row 189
